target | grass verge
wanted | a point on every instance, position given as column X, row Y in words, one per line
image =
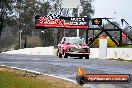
column 11, row 78
column 120, row 59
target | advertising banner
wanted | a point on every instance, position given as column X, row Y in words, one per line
column 60, row 22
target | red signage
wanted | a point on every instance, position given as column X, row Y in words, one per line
column 44, row 20
column 50, row 22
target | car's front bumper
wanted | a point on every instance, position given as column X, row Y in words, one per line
column 77, row 54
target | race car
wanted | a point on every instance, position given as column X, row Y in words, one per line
column 73, row 47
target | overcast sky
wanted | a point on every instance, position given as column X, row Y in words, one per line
column 106, row 8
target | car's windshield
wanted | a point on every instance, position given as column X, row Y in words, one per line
column 74, row 41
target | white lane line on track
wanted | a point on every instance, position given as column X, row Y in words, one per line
column 36, row 72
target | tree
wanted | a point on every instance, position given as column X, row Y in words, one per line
column 86, row 10
column 110, row 26
column 5, row 10
column 20, row 15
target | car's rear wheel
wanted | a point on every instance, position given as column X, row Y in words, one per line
column 87, row 57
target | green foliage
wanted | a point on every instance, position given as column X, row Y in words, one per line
column 126, row 46
column 88, row 9
column 11, row 80
column 119, row 59
column 109, row 44
column 17, row 46
column 96, row 43
column 20, row 15
column 34, row 41
column 110, row 26
column 47, row 37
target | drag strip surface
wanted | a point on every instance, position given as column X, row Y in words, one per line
column 67, row 67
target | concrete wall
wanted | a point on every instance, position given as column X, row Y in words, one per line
column 33, row 51
column 124, row 53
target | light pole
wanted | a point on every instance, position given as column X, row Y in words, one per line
column 78, row 14
column 25, row 44
column 20, row 36
column 115, row 13
column 116, row 20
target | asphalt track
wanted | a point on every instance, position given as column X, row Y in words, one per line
column 67, row 67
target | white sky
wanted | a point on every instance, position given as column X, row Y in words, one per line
column 106, row 8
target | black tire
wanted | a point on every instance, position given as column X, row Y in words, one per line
column 57, row 53
column 87, row 57
column 60, row 55
column 65, row 55
column 80, row 57
column 80, row 80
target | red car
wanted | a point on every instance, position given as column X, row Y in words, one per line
column 73, row 47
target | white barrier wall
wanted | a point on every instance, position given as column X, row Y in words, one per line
column 33, row 51
column 124, row 53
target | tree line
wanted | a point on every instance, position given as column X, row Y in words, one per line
column 19, row 16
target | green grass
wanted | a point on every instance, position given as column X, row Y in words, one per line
column 120, row 59
column 126, row 46
column 12, row 80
